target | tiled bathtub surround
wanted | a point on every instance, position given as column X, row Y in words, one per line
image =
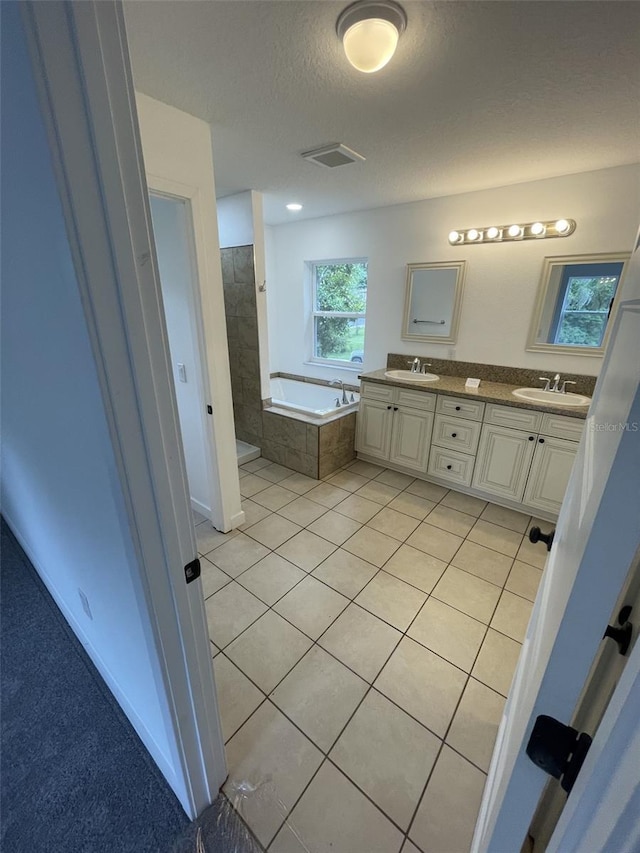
column 238, row 278
column 492, row 372
column 313, row 449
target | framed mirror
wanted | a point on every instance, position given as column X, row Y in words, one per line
column 433, row 300
column 576, row 299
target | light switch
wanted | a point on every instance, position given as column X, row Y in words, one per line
column 182, row 372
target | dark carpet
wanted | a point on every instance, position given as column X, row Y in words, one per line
column 75, row 776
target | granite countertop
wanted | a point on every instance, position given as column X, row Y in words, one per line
column 488, row 392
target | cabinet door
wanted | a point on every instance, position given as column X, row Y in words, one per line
column 374, row 428
column 411, row 437
column 549, row 475
column 503, row 461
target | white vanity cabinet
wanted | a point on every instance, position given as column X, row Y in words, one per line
column 503, row 461
column 549, row 474
column 395, row 424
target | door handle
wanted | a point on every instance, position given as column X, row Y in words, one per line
column 536, row 535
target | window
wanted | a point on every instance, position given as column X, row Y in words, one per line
column 339, row 305
column 585, row 298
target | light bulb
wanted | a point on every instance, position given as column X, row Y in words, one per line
column 537, row 229
column 370, row 44
column 514, row 231
column 492, row 232
column 562, row 226
column 294, row 206
column 454, row 237
column 472, row 234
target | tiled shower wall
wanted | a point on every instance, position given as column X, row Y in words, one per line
column 238, row 278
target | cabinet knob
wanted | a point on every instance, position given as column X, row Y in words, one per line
column 395, row 408
column 449, row 467
column 389, row 408
column 454, row 435
column 457, row 408
column 532, row 438
column 541, row 440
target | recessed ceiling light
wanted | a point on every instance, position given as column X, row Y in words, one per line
column 294, row 206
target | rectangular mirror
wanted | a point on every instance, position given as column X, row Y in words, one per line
column 576, row 298
column 432, row 301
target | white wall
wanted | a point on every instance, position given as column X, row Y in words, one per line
column 61, row 491
column 501, row 280
column 235, row 220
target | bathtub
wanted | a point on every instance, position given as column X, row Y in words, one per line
column 306, row 398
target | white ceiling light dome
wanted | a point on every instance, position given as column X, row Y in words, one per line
column 369, row 31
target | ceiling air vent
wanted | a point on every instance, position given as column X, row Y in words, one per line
column 330, row 156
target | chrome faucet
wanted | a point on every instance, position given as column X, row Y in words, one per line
column 556, row 382
column 563, row 389
column 339, row 382
column 546, row 382
column 425, row 364
column 415, row 365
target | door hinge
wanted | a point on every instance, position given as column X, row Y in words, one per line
column 192, row 570
column 557, row 749
column 623, row 632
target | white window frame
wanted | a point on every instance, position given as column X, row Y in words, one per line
column 333, row 362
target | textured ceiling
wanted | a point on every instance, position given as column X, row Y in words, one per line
column 479, row 94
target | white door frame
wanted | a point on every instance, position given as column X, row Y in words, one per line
column 81, row 66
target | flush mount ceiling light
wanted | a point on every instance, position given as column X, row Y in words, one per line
column 369, row 31
column 513, row 232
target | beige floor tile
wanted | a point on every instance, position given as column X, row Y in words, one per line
column 472, row 595
column 423, row 684
column 237, row 555
column 496, row 662
column 447, row 518
column 432, row 540
column 355, row 825
column 415, row 567
column 365, row 469
column 357, row 508
column 214, row 649
column 372, row 546
column 319, row 695
column 483, row 562
column 395, row 772
column 252, row 484
column 299, row 483
column 411, row 505
column 302, row 511
column 271, row 578
column 198, row 518
column 493, row 536
column 230, row 611
column 335, row 527
column 475, row 725
column 275, row 762
column 378, row 492
column 430, row 491
column 253, row 513
column 449, row 633
column 327, row 495
column 306, row 550
column 212, row 578
column 275, row 473
column 311, row 606
column 273, row 530
column 361, row 641
column 395, row 478
column 347, row 480
column 447, row 815
column 534, row 555
column 464, row 503
column 393, row 523
column 256, row 464
column 237, row 696
column 208, row 538
column 345, row 572
column 392, row 600
column 510, row 518
column 268, row 650
column 512, row 616
column 524, row 580
column 275, row 497
column 408, row 847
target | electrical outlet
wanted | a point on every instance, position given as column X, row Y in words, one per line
column 85, row 604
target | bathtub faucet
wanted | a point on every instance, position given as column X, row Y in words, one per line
column 344, row 393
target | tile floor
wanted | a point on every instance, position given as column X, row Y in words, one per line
column 364, row 631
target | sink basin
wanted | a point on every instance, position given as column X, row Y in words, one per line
column 408, row 376
column 537, row 395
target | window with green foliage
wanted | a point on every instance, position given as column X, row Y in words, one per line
column 339, row 306
column 584, row 303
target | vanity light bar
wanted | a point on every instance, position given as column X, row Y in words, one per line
column 515, row 231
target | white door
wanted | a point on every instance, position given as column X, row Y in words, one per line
column 597, row 536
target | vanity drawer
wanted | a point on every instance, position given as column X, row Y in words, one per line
column 560, row 426
column 460, row 408
column 416, row 399
column 509, row 416
column 456, row 433
column 449, row 465
column 377, row 392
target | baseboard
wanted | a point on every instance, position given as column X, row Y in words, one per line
column 151, row 745
column 201, row 508
column 237, row 519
